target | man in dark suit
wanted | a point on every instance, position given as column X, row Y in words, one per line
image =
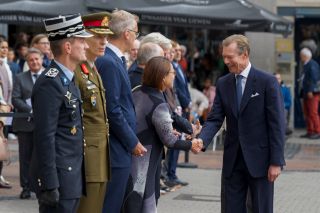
column 21, row 100
column 120, row 108
column 57, row 161
column 251, row 102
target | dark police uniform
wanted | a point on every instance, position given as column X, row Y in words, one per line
column 57, row 162
column 58, row 136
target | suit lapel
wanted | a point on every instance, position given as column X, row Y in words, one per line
column 248, row 90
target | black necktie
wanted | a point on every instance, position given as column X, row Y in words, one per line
column 35, row 76
column 239, row 90
column 124, row 62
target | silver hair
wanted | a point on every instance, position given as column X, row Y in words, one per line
column 306, row 52
column 157, row 38
column 34, row 50
column 121, row 21
column 148, row 51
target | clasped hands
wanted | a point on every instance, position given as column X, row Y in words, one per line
column 197, row 145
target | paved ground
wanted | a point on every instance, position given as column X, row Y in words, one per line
column 297, row 189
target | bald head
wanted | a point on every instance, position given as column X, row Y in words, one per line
column 148, row 51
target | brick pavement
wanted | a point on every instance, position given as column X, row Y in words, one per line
column 296, row 191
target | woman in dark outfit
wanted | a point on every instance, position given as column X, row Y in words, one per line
column 154, row 129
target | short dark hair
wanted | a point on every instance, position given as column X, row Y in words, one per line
column 56, row 46
column 155, row 71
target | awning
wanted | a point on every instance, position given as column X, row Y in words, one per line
column 32, row 12
column 209, row 14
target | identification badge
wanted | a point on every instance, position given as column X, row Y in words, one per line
column 93, row 100
column 73, row 130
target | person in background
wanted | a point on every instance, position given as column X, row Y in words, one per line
column 14, row 67
column 6, row 86
column 21, row 51
column 145, row 53
column 184, row 61
column 21, row 100
column 42, row 43
column 133, row 53
column 120, row 108
column 95, row 122
column 311, row 94
column 210, row 92
column 286, row 94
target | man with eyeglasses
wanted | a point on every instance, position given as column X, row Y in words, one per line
column 120, row 109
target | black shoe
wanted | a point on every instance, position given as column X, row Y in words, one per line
column 307, row 135
column 314, row 136
column 180, row 182
column 171, row 183
column 25, row 194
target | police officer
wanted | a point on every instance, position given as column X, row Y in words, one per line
column 57, row 161
column 96, row 128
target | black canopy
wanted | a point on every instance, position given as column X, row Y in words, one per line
column 34, row 11
column 210, row 14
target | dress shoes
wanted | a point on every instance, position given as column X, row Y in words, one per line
column 307, row 135
column 314, row 136
column 25, row 194
column 180, row 182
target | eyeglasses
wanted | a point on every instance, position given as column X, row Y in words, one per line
column 136, row 33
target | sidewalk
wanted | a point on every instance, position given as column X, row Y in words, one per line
column 296, row 191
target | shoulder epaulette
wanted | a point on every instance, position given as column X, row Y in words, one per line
column 52, row 72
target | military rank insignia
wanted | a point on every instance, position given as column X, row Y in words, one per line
column 52, row 72
column 93, row 100
column 84, row 69
column 73, row 130
column 68, row 96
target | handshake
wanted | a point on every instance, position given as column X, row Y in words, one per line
column 197, row 145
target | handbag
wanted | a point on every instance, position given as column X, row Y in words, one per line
column 4, row 150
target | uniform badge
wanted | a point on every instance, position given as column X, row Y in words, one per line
column 93, row 100
column 73, row 130
column 84, row 69
column 65, row 81
column 52, row 72
column 68, row 96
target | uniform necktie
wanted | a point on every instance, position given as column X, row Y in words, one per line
column 124, row 62
column 239, row 90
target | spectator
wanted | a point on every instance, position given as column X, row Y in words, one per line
column 15, row 69
column 21, row 100
column 21, row 50
column 133, row 53
column 145, row 53
column 311, row 94
column 42, row 43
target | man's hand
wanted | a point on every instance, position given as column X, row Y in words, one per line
column 49, row 197
column 139, row 150
column 196, row 128
column 273, row 172
column 197, row 145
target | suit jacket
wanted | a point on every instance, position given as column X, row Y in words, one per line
column 95, row 123
column 311, row 77
column 120, row 108
column 57, row 158
column 181, row 86
column 258, row 129
column 22, row 89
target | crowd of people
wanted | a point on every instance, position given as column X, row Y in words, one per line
column 109, row 112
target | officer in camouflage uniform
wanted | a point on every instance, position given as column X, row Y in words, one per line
column 96, row 128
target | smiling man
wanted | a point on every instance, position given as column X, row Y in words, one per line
column 251, row 102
